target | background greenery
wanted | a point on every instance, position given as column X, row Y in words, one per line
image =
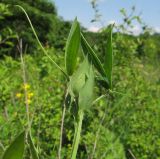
column 126, row 124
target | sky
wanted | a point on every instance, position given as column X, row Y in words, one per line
column 110, row 11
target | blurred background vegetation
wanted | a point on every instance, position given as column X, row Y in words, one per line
column 123, row 125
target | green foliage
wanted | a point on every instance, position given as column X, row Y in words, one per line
column 108, row 61
column 34, row 152
column 72, row 47
column 48, row 26
column 111, row 149
column 16, row 149
column 136, row 76
column 123, row 124
column 86, row 93
column 5, row 12
column 78, row 80
column 126, row 114
column 7, row 34
column 88, row 51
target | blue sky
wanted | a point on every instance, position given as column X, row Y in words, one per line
column 109, row 9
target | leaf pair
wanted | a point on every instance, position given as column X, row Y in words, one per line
column 75, row 40
column 16, row 149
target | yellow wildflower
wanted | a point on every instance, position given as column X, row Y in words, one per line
column 19, row 95
column 30, row 94
column 26, row 86
column 28, row 101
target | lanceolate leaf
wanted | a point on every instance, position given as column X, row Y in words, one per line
column 88, row 51
column 34, row 152
column 72, row 47
column 108, row 60
column 16, row 149
column 103, row 81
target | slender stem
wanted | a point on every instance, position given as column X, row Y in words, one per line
column 77, row 135
column 35, row 34
column 99, row 98
column 6, row 113
column 111, row 91
column 132, row 154
column 97, row 135
column 25, row 82
column 2, row 146
column 61, row 135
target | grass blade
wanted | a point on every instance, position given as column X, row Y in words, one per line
column 108, row 60
column 72, row 47
column 16, row 149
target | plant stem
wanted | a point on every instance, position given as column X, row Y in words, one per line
column 24, row 81
column 61, row 135
column 2, row 146
column 43, row 49
column 97, row 135
column 77, row 135
column 132, row 154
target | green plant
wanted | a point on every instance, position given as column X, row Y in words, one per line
column 80, row 85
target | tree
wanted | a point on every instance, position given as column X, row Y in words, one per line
column 43, row 15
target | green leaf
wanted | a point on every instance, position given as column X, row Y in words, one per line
column 77, row 135
column 77, row 81
column 108, row 60
column 86, row 93
column 10, row 44
column 16, row 149
column 93, row 57
column 72, row 47
column 34, row 152
column 102, row 81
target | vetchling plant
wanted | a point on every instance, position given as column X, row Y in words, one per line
column 80, row 82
